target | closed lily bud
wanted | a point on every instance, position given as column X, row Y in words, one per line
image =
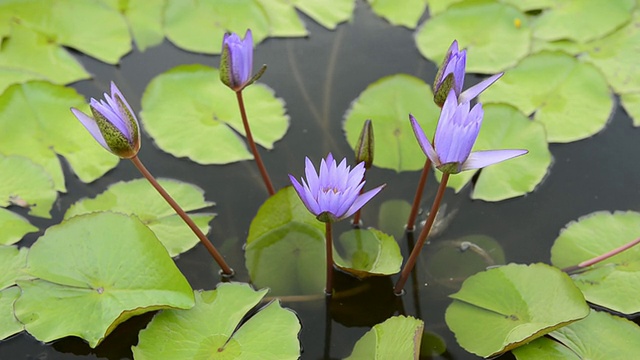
column 236, row 63
column 113, row 124
column 365, row 145
column 450, row 74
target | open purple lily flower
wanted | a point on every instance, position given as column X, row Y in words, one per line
column 334, row 193
column 451, row 76
column 456, row 133
column 113, row 125
column 236, row 63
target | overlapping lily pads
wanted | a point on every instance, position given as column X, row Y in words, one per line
column 139, row 198
column 368, row 252
column 607, row 283
column 218, row 324
column 398, row 337
column 14, row 227
column 12, row 263
column 189, row 112
column 144, row 19
column 487, row 325
column 93, row 272
column 27, row 185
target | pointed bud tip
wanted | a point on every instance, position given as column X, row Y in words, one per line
column 365, row 146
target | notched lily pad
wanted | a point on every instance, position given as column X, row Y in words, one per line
column 26, row 184
column 93, row 272
column 502, row 308
column 398, row 337
column 14, row 227
column 606, row 283
column 144, row 19
column 138, row 197
column 219, row 324
column 189, row 112
column 368, row 252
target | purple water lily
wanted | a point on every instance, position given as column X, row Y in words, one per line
column 456, row 133
column 236, row 63
column 334, row 193
column 114, row 125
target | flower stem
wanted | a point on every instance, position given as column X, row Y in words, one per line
column 602, row 257
column 226, row 270
column 252, row 144
column 411, row 222
column 411, row 262
column 328, row 290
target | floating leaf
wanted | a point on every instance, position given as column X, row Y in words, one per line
column 13, row 226
column 285, row 247
column 406, row 15
column 486, row 324
column 138, row 197
column 582, row 20
column 606, row 283
column 393, row 216
column 397, row 338
column 283, row 18
column 570, row 97
column 438, row 6
column 631, row 104
column 529, row 5
column 144, row 18
column 12, row 263
column 9, row 325
column 26, row 184
column 189, row 112
column 328, row 13
column 217, row 325
column 599, row 336
column 47, row 128
column 368, row 252
column 93, row 272
column 486, row 29
column 388, row 102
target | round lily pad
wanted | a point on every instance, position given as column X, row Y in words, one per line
column 138, row 197
column 189, row 112
column 487, row 325
column 570, row 97
column 93, row 272
column 27, row 185
column 219, row 327
column 388, row 103
column 368, row 252
column 398, row 337
column 14, row 227
column 496, row 35
column 607, row 283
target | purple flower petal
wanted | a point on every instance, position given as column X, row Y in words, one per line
column 426, row 146
column 362, row 200
column 472, row 92
column 480, row 159
column 91, row 126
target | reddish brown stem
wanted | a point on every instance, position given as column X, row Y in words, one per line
column 226, row 270
column 602, row 257
column 329, row 245
column 411, row 222
column 252, row 145
column 411, row 262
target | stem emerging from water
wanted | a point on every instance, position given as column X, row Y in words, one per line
column 328, row 290
column 602, row 257
column 406, row 271
column 252, row 145
column 226, row 270
column 411, row 222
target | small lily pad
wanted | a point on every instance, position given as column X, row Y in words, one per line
column 487, row 325
column 406, row 15
column 631, row 104
column 9, row 325
column 217, row 328
column 92, row 273
column 487, row 29
column 368, row 252
column 398, row 337
column 47, row 128
column 138, row 197
column 285, row 247
column 388, row 102
column 210, row 121
column 26, row 184
column 14, row 227
column 570, row 97
column 606, row 283
column 144, row 18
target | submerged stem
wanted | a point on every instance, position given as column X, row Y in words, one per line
column 411, row 262
column 328, row 290
column 252, row 145
column 602, row 257
column 411, row 222
column 226, row 270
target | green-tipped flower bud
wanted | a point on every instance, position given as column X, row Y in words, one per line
column 365, row 145
column 236, row 63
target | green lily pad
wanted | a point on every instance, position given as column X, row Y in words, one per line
column 529, row 5
column 12, row 263
column 567, row 46
column 608, row 282
column 138, row 197
column 488, row 30
column 582, row 20
column 487, row 325
column 571, row 98
column 368, row 252
column 217, row 328
column 398, row 337
column 328, row 13
column 388, row 102
column 599, row 336
column 93, row 272
column 47, row 128
column 26, row 184
column 9, row 325
column 406, row 15
column 393, row 216
column 631, row 104
column 616, row 56
column 144, row 18
column 210, row 121
column 438, row 6
column 283, row 18
column 285, row 247
column 14, row 227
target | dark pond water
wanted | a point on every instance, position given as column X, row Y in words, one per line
column 318, row 77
